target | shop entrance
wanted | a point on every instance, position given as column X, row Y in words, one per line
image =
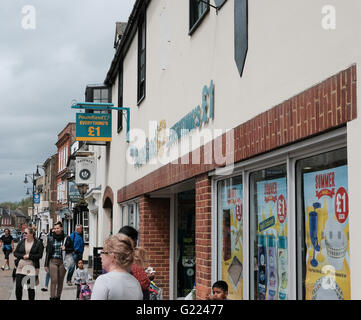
column 185, row 242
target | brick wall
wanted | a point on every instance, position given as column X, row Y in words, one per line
column 203, row 236
column 327, row 105
column 154, row 236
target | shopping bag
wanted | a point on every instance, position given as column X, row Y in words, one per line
column 85, row 291
column 68, row 260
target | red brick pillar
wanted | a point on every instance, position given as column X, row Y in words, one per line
column 203, row 236
column 154, row 235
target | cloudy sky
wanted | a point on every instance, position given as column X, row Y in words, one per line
column 42, row 70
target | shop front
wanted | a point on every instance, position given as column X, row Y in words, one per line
column 281, row 223
column 274, row 223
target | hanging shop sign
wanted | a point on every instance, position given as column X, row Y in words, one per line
column 93, row 127
column 85, row 170
column 327, row 235
column 36, row 198
column 161, row 141
column 272, row 281
column 231, row 241
column 74, row 195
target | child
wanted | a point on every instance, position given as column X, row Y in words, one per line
column 81, row 277
column 220, row 291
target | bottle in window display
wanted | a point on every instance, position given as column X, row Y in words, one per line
column 282, row 267
column 262, row 268
column 272, row 268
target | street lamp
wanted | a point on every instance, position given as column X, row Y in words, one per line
column 33, row 177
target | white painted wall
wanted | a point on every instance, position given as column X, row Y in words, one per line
column 288, row 52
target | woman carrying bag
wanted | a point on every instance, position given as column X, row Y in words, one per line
column 58, row 259
column 28, row 253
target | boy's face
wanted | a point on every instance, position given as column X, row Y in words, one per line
column 80, row 264
column 219, row 294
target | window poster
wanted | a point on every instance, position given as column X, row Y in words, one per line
column 230, row 235
column 272, row 255
column 327, row 234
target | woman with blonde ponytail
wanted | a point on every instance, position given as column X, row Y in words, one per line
column 117, row 284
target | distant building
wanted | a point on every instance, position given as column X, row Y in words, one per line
column 5, row 218
column 65, row 139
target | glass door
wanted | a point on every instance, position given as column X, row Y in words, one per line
column 186, row 243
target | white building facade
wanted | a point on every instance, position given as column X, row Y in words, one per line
column 261, row 189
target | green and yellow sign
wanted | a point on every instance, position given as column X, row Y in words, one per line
column 93, row 127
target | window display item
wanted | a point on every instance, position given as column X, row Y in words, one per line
column 336, row 244
column 235, row 271
column 326, row 288
column 272, row 268
column 262, row 268
column 282, row 268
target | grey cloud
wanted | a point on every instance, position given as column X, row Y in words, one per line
column 42, row 70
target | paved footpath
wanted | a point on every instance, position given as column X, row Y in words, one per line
column 7, row 286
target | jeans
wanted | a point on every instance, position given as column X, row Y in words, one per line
column 57, row 274
column 47, row 279
column 76, row 257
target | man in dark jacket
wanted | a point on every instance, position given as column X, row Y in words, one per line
column 78, row 242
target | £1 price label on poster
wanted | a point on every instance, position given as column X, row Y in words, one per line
column 281, row 209
column 341, row 205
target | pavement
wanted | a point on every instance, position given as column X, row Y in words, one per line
column 7, row 286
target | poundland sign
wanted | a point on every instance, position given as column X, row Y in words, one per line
column 93, row 127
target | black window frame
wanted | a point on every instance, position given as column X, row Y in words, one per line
column 193, row 8
column 142, row 52
column 120, row 97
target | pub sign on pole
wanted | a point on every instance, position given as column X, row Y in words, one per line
column 85, row 170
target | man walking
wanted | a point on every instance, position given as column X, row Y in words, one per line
column 78, row 242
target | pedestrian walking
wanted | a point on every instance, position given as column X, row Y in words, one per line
column 58, row 245
column 138, row 267
column 78, row 243
column 117, row 283
column 43, row 237
column 47, row 278
column 81, row 277
column 28, row 253
column 7, row 242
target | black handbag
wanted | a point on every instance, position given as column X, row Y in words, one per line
column 14, row 274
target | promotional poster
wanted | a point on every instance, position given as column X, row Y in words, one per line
column 231, row 240
column 272, row 257
column 327, row 235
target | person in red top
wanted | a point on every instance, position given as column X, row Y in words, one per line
column 138, row 266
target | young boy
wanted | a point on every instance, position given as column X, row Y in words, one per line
column 81, row 276
column 220, row 291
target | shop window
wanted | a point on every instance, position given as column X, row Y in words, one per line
column 230, row 235
column 197, row 11
column 137, row 216
column 268, row 234
column 86, row 226
column 131, row 215
column 141, row 57
column 323, row 255
column 123, row 216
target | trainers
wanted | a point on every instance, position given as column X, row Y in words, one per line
column 2, row 268
column 7, row 268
